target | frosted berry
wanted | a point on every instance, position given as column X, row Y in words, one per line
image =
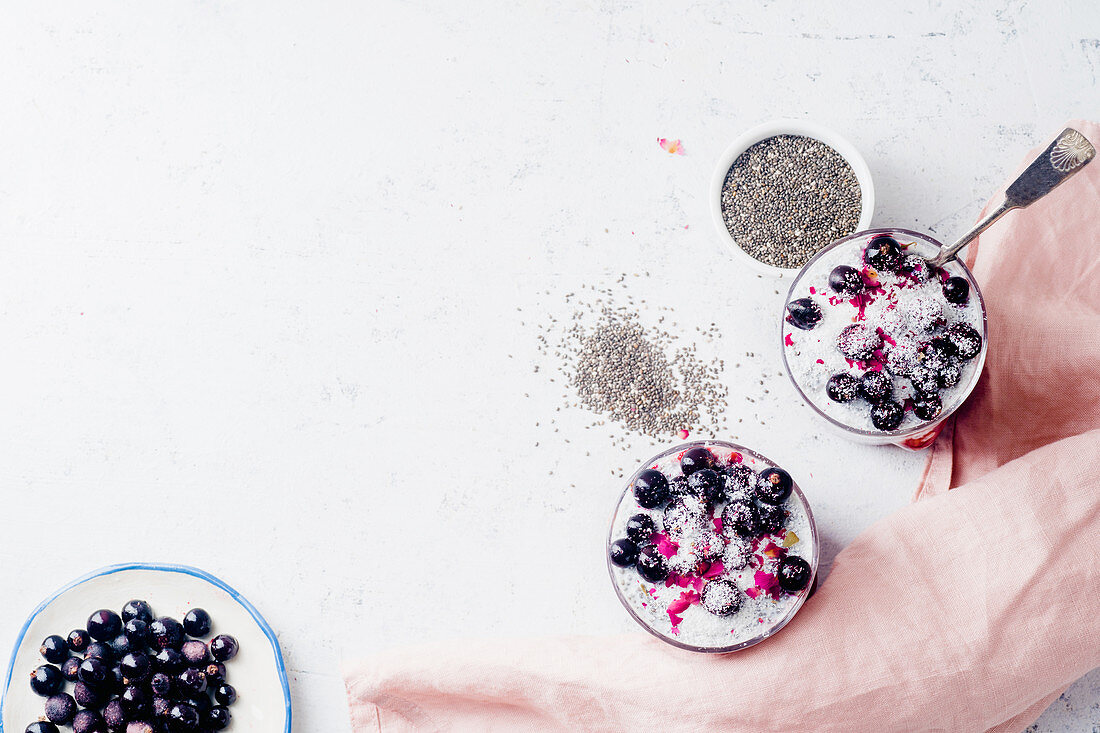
column 772, row 518
column 846, row 280
column 965, row 339
column 651, row 488
column 914, row 267
column 685, row 515
column 887, row 415
column 706, row 483
column 876, row 386
column 956, row 290
column 721, row 597
column 794, row 573
column 924, row 380
column 88, row 721
column 803, row 313
column 640, row 529
column 623, row 553
column 842, row 387
column 927, row 407
column 738, row 482
column 69, row 668
column 882, row 253
column 858, row 342
column 696, row 459
column 710, row 545
column 651, row 564
column 773, row 486
column 60, row 708
column 740, row 518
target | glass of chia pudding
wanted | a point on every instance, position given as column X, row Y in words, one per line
column 712, row 547
column 879, row 344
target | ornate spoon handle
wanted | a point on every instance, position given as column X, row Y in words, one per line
column 1069, row 153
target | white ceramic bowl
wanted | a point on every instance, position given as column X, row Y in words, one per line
column 257, row 672
column 763, row 132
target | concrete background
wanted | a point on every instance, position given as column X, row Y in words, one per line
column 260, row 265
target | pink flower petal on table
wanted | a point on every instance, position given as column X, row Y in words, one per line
column 684, row 434
column 752, row 592
column 673, row 147
column 787, row 340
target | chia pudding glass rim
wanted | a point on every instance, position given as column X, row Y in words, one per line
column 803, row 594
column 922, row 427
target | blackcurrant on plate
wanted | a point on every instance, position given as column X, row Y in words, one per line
column 257, row 672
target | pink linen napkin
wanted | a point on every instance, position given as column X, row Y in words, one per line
column 969, row 610
column 1039, row 270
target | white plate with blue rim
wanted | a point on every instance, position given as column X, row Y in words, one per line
column 257, row 672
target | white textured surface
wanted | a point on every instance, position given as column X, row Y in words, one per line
column 260, row 266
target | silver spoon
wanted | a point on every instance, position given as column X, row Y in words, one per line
column 1069, row 153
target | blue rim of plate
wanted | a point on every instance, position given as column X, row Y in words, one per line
column 185, row 570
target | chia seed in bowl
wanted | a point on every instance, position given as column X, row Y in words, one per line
column 785, row 190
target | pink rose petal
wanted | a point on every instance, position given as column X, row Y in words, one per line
column 681, row 604
column 715, row 570
column 673, row 147
column 665, row 546
column 767, row 583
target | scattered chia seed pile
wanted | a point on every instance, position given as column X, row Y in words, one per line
column 622, row 370
column 634, row 375
column 788, row 196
